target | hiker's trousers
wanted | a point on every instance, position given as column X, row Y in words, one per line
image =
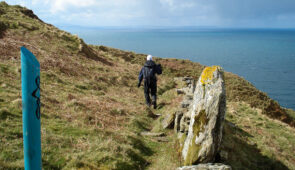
column 150, row 88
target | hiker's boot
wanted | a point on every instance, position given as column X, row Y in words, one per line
column 154, row 103
column 148, row 104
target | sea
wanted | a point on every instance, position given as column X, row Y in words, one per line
column 264, row 57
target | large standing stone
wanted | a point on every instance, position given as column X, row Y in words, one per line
column 207, row 113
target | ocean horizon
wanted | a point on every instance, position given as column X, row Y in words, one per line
column 264, row 57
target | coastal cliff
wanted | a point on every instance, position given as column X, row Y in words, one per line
column 93, row 115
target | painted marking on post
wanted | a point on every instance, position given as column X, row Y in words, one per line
column 30, row 73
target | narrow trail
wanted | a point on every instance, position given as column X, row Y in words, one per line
column 163, row 145
column 163, row 141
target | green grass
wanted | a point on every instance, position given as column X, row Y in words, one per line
column 291, row 113
column 256, row 141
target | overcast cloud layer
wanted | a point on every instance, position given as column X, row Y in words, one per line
column 218, row 13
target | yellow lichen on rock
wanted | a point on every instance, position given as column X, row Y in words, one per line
column 200, row 121
column 207, row 74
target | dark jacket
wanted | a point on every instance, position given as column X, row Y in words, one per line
column 150, row 69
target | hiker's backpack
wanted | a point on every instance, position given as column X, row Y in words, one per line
column 148, row 74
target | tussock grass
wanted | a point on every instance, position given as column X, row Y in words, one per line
column 254, row 141
column 238, row 89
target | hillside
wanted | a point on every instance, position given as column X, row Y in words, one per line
column 92, row 113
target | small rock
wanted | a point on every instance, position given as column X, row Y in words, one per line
column 157, row 114
column 168, row 121
column 252, row 143
column 184, row 124
column 178, row 116
column 185, row 103
column 208, row 166
column 180, row 91
column 189, row 97
column 187, row 78
column 152, row 134
column 188, row 82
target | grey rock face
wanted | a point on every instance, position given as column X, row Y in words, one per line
column 182, row 119
column 178, row 116
column 203, row 132
column 180, row 91
column 175, row 118
column 184, row 124
column 208, row 166
column 189, row 85
column 185, row 103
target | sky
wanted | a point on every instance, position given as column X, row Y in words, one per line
column 165, row 13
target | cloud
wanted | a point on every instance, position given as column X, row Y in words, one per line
column 253, row 8
column 178, row 4
column 254, row 12
column 224, row 13
column 56, row 6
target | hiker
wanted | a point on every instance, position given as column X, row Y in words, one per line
column 148, row 74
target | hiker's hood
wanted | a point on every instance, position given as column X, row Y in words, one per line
column 149, row 57
column 149, row 63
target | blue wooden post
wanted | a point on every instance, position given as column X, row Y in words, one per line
column 30, row 73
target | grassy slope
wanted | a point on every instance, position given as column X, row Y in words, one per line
column 92, row 113
column 254, row 141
